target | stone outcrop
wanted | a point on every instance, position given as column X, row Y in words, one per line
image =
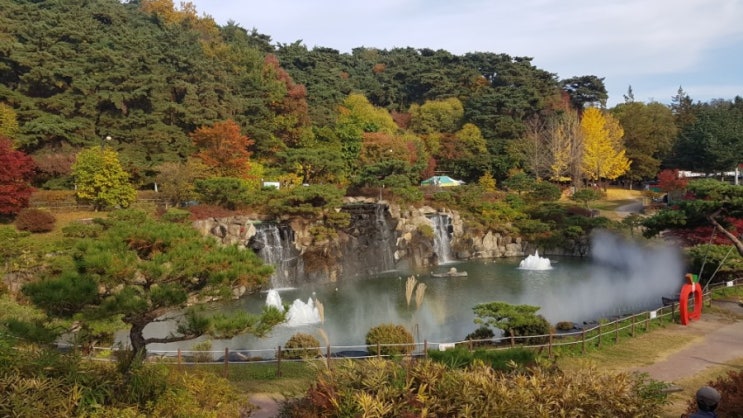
column 381, row 236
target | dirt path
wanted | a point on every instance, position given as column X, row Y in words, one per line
column 267, row 405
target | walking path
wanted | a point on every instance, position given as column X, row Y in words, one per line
column 718, row 345
column 267, row 405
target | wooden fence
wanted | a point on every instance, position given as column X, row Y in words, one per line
column 602, row 333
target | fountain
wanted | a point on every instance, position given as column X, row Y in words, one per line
column 535, row 262
column 300, row 313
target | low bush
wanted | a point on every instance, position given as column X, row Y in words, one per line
column 175, row 215
column 565, row 326
column 392, row 339
column 383, row 388
column 479, row 335
column 730, row 387
column 301, row 346
column 35, row 220
column 79, row 229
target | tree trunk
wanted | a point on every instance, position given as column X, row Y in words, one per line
column 735, row 240
column 136, row 337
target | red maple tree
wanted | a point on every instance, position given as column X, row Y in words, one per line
column 16, row 170
column 670, row 180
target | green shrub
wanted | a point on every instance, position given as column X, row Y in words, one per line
column 393, row 339
column 35, row 220
column 565, row 326
column 426, row 231
column 79, row 229
column 301, row 345
column 481, row 333
column 175, row 215
column 202, row 352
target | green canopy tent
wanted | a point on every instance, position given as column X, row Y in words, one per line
column 441, row 181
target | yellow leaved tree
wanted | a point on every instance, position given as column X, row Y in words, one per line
column 603, row 148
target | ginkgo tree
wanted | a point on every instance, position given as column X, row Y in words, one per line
column 100, row 179
column 603, row 151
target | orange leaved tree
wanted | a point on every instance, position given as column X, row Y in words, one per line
column 223, row 148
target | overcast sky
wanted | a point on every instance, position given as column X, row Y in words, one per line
column 653, row 45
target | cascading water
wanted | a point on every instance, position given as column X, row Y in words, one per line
column 387, row 237
column 535, row 262
column 442, row 237
column 299, row 313
column 275, row 245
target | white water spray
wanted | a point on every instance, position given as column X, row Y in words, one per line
column 300, row 313
column 535, row 262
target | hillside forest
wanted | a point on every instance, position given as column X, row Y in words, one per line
column 170, row 91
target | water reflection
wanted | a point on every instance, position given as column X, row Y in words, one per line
column 573, row 290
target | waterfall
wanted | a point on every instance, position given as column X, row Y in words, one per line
column 275, row 245
column 387, row 236
column 442, row 229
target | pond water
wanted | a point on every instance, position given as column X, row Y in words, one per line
column 620, row 278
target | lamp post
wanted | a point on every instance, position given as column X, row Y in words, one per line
column 104, row 140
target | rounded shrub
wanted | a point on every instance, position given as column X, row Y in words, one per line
column 565, row 326
column 35, row 220
column 392, row 339
column 481, row 336
column 301, row 345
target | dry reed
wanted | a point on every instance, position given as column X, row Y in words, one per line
column 409, row 286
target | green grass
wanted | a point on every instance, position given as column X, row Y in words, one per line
column 296, row 376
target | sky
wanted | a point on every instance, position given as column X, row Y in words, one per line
column 654, row 46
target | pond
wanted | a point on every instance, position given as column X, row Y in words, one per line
column 622, row 277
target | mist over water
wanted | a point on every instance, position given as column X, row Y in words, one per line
column 626, row 277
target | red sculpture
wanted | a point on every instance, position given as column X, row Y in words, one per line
column 691, row 287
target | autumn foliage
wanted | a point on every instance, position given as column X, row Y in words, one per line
column 16, row 170
column 223, row 148
column 35, row 220
column 669, row 180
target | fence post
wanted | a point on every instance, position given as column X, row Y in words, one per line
column 513, row 340
column 616, row 331
column 633, row 326
column 673, row 312
column 278, row 361
column 600, row 334
column 226, row 361
column 379, row 350
column 425, row 349
column 647, row 322
column 549, row 346
column 179, row 357
column 583, row 340
column 328, row 356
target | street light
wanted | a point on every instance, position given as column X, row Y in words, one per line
column 105, row 139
